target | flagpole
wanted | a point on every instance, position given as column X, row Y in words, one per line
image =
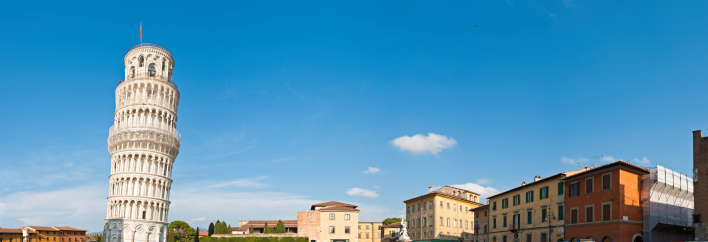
column 141, row 32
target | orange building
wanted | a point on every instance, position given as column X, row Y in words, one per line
column 604, row 203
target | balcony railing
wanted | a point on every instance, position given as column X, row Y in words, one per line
column 149, row 45
column 149, row 76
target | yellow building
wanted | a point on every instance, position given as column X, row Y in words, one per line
column 15, row 235
column 530, row 212
column 369, row 231
column 481, row 224
column 444, row 214
column 45, row 233
column 389, row 232
column 329, row 222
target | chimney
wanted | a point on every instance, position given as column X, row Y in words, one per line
column 523, row 183
column 430, row 189
column 536, row 178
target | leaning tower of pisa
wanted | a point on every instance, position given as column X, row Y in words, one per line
column 143, row 143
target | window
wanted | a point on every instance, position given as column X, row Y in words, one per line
column 544, row 236
column 588, row 185
column 529, row 217
column 359, row 227
column 359, row 235
column 394, row 234
column 331, row 229
column 517, row 200
column 589, row 215
column 412, row 223
column 424, row 205
column 431, row 204
column 441, row 221
column 347, row 230
column 529, row 196
column 454, row 223
column 544, row 192
column 505, row 203
column 408, row 210
column 606, row 211
column 441, row 206
column 573, row 215
column 367, row 235
column 448, row 222
column 503, row 238
column 331, row 216
column 544, row 211
column 346, row 217
column 494, row 223
column 494, row 206
column 419, row 207
column 574, row 189
column 504, row 224
column 448, row 206
column 432, row 222
column 367, row 227
column 607, row 181
column 561, row 212
column 528, row 237
column 425, row 222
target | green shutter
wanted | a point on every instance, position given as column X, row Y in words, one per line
column 494, row 206
column 560, row 188
column 529, row 217
column 560, row 212
column 531, row 196
column 504, row 221
column 543, row 214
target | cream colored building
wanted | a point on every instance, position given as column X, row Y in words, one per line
column 530, row 212
column 444, row 214
column 369, row 231
column 329, row 222
column 389, row 233
column 481, row 224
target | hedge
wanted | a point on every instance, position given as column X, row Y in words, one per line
column 254, row 239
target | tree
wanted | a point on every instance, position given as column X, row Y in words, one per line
column 196, row 238
column 266, row 229
column 217, row 227
column 182, row 230
column 99, row 237
column 211, row 228
column 228, row 229
column 250, row 230
column 170, row 236
column 390, row 221
column 280, row 227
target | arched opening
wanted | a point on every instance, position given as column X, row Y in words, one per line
column 637, row 238
column 152, row 71
column 163, row 65
column 141, row 61
column 590, row 237
column 573, row 239
column 132, row 71
column 606, row 239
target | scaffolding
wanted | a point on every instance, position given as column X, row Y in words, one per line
column 667, row 205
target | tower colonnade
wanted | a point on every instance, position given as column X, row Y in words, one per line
column 143, row 143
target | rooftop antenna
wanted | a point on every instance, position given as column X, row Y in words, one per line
column 595, row 158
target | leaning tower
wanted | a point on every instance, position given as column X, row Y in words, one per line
column 143, row 143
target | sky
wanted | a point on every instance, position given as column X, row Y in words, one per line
column 287, row 104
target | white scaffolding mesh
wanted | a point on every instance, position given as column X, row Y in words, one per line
column 667, row 199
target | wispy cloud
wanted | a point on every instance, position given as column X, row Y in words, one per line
column 642, row 161
column 483, row 191
column 483, row 181
column 253, row 182
column 419, row 143
column 362, row 192
column 196, row 220
column 372, row 170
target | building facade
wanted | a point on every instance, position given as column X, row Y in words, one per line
column 700, row 185
column 444, row 215
column 530, row 212
column 605, row 203
column 15, row 235
column 143, row 143
column 329, row 222
column 244, row 226
column 481, row 224
column 667, row 205
column 389, row 232
column 369, row 231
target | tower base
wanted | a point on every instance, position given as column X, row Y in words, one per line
column 129, row 230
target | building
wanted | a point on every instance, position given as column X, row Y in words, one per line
column 667, row 205
column 15, row 235
column 444, row 214
column 143, row 143
column 700, row 185
column 389, row 232
column 530, row 212
column 369, row 231
column 605, row 203
column 203, row 233
column 329, row 222
column 258, row 226
column 481, row 224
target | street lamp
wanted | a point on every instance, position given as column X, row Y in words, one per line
column 550, row 217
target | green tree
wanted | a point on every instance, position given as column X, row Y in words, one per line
column 250, row 230
column 228, row 229
column 196, row 237
column 211, row 228
column 280, row 227
column 182, row 230
column 99, row 237
column 390, row 221
column 170, row 235
column 266, row 229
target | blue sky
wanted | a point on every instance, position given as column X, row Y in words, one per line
column 284, row 104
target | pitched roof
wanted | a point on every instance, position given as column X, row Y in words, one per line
column 43, row 228
column 444, row 194
column 610, row 165
column 66, row 228
column 561, row 175
column 203, row 233
column 393, row 225
column 10, row 231
column 334, row 206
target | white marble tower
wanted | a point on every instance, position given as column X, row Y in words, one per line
column 143, row 143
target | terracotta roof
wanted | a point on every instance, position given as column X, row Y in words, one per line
column 343, row 208
column 393, row 225
column 332, row 203
column 257, row 224
column 69, row 229
column 203, row 233
column 606, row 166
column 562, row 175
column 10, row 231
column 444, row 195
column 461, row 189
column 42, row 228
column 242, row 228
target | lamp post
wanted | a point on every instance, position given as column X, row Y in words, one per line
column 551, row 216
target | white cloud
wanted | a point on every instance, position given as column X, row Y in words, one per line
column 243, row 182
column 483, row 181
column 607, row 158
column 483, row 191
column 418, row 144
column 372, row 170
column 362, row 192
column 643, row 161
column 571, row 161
column 70, row 164
column 196, row 220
